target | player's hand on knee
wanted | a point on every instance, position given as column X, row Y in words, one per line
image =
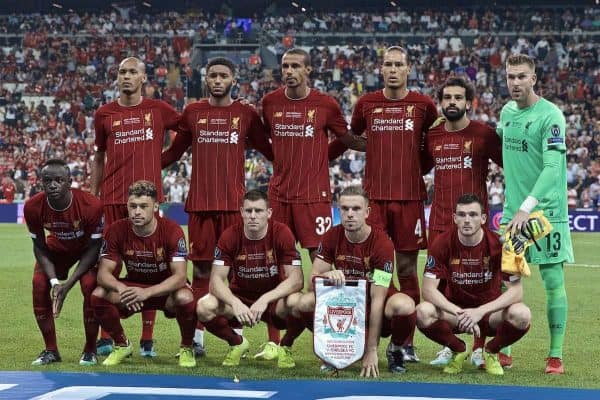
column 59, row 293
column 242, row 313
column 133, row 295
column 257, row 309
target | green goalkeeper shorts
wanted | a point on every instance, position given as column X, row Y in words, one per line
column 556, row 247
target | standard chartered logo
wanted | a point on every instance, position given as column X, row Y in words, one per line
column 309, row 131
column 409, row 125
column 149, row 134
column 233, row 138
column 468, row 162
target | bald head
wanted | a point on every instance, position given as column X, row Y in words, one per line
column 136, row 61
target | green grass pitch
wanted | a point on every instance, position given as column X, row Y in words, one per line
column 20, row 340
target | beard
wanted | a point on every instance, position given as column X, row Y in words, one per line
column 225, row 93
column 454, row 116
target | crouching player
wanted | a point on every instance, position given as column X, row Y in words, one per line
column 360, row 251
column 74, row 221
column 468, row 259
column 264, row 270
column 154, row 252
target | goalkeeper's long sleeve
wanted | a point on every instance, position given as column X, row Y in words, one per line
column 549, row 176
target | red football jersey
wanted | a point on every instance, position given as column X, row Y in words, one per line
column 357, row 260
column 132, row 138
column 395, row 131
column 472, row 274
column 299, row 134
column 146, row 258
column 218, row 136
column 70, row 230
column 256, row 265
column 461, row 166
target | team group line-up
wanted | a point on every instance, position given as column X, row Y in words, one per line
column 242, row 244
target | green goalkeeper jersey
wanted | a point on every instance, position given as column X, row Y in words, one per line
column 533, row 154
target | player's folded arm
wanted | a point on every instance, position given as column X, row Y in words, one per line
column 176, row 281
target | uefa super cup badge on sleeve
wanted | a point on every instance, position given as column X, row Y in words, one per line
column 340, row 322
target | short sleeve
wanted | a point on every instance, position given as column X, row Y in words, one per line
column 177, row 249
column 225, row 250
column 33, row 221
column 336, row 122
column 285, row 247
column 170, row 116
column 358, row 123
column 101, row 136
column 382, row 262
column 111, row 248
column 430, row 115
column 326, row 249
column 94, row 221
column 436, row 265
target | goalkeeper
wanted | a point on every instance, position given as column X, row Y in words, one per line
column 533, row 151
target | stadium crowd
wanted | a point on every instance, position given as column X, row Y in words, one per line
column 71, row 71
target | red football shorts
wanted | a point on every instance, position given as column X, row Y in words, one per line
column 403, row 220
column 153, row 303
column 204, row 230
column 308, row 221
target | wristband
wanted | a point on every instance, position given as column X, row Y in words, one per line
column 529, row 204
column 54, row 282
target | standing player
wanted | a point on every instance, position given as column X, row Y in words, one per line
column 395, row 121
column 468, row 259
column 74, row 221
column 360, row 251
column 154, row 252
column 129, row 141
column 299, row 119
column 218, row 130
column 459, row 149
column 264, row 270
column 533, row 149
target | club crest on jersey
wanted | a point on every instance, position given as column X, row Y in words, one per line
column 310, row 115
column 201, row 121
column 467, row 146
column 116, row 123
column 340, row 320
column 278, row 114
column 235, row 123
column 160, row 254
column 269, row 257
column 409, row 111
column 148, row 119
column 366, row 261
column 486, row 262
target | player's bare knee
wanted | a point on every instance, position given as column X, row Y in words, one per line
column 291, row 301
column 426, row 314
column 206, row 308
column 519, row 315
column 99, row 292
column 182, row 296
column 399, row 305
column 306, row 303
